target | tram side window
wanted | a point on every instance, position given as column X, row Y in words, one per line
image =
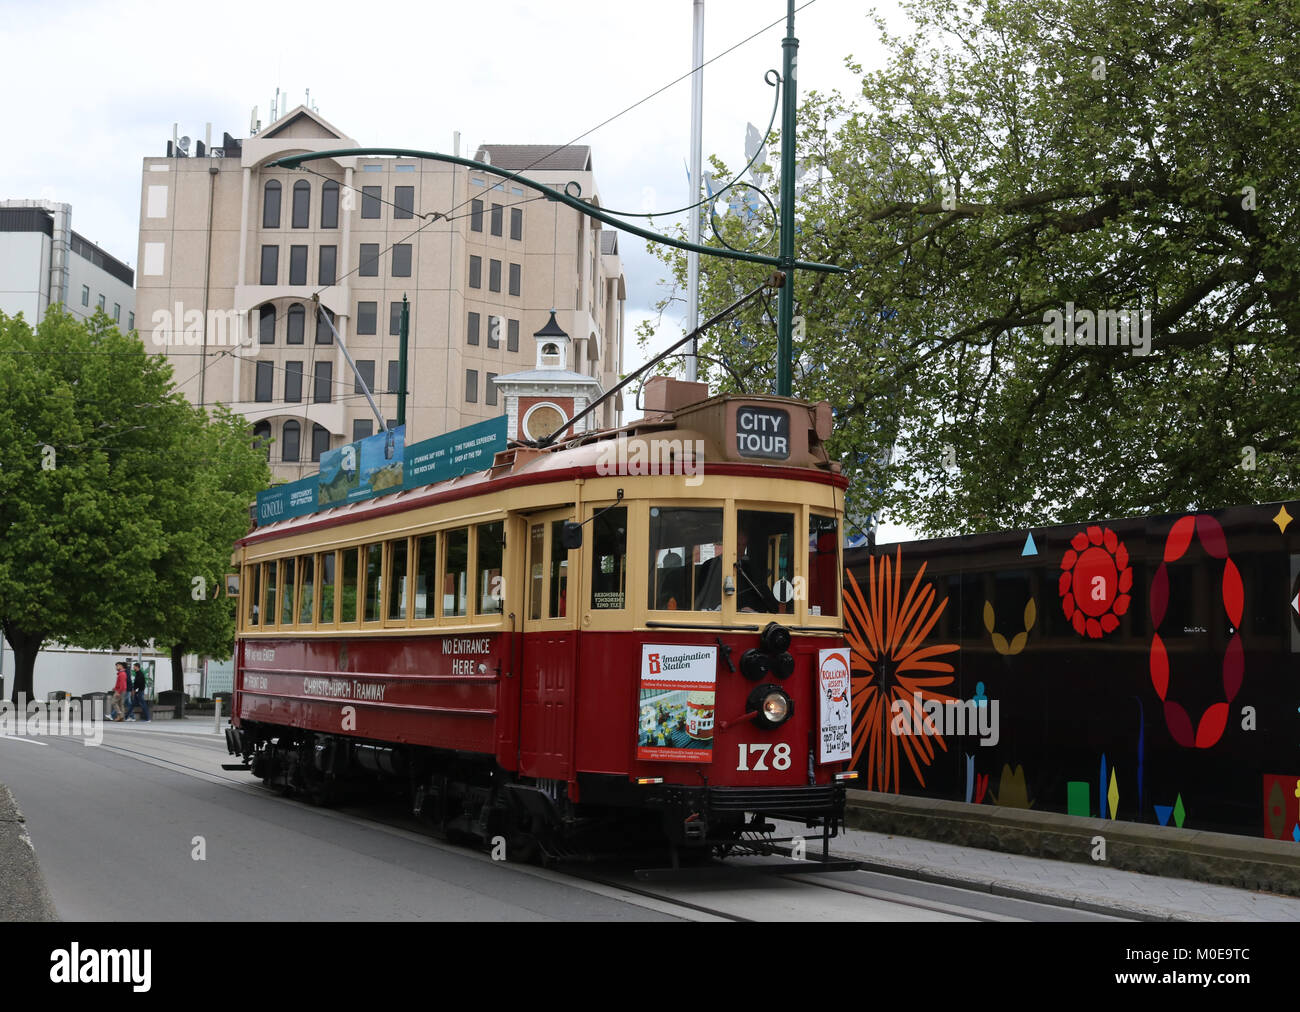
column 374, row 592
column 397, row 579
column 536, row 569
column 455, row 587
column 268, row 579
column 306, row 576
column 326, row 567
column 254, row 580
column 426, row 576
column 348, row 591
column 764, row 561
column 685, row 559
column 559, row 571
column 823, row 565
column 286, row 591
column 491, row 547
column 609, row 560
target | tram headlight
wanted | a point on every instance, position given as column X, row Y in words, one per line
column 771, row 705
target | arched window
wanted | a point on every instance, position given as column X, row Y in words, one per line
column 266, row 324
column 262, row 437
column 323, row 333
column 301, row 203
column 320, row 442
column 271, row 204
column 329, row 205
column 289, row 444
column 297, row 324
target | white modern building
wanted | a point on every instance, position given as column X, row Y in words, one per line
column 43, row 262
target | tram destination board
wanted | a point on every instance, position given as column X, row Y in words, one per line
column 763, row 432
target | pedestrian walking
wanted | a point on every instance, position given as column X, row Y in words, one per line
column 119, row 691
column 137, row 694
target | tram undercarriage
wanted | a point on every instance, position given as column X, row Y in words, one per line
column 471, row 800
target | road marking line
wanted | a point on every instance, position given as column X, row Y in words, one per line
column 25, row 741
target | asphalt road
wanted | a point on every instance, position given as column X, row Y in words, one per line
column 117, row 831
column 147, row 826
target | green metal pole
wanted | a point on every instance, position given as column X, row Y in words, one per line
column 785, row 298
column 404, row 331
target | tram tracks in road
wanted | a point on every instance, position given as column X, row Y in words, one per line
column 716, row 891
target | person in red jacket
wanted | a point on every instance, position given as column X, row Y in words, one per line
column 119, row 690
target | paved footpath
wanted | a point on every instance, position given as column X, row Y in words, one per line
column 1087, row 887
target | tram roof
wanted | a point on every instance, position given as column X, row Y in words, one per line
column 710, row 430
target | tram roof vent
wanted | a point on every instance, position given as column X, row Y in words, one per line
column 507, row 459
column 664, row 394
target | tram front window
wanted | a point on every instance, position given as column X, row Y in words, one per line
column 764, row 562
column 685, row 559
column 823, row 565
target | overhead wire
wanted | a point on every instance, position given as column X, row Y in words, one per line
column 450, row 214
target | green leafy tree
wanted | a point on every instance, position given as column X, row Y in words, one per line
column 101, row 479
column 1020, row 158
column 225, row 471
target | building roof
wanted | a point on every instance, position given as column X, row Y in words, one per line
column 519, row 157
column 551, row 329
column 558, row 377
column 309, row 123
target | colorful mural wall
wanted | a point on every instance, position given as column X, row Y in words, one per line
column 1145, row 669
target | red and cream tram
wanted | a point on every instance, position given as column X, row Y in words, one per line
column 636, row 630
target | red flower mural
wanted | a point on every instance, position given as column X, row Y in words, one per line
column 885, row 631
column 1095, row 582
column 1209, row 727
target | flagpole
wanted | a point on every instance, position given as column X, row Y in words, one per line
column 696, row 176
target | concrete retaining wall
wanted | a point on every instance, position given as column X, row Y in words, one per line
column 1219, row 858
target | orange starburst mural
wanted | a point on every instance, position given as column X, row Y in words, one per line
column 885, row 632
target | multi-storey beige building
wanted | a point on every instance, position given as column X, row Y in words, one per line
column 231, row 248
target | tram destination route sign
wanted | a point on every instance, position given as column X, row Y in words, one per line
column 381, row 464
column 454, row 453
column 763, row 432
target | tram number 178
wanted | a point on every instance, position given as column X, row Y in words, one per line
column 757, row 755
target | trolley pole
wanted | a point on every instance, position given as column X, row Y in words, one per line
column 403, row 331
column 785, row 298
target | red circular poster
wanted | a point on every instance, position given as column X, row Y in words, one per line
column 1095, row 582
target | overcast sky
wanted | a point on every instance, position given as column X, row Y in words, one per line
column 92, row 88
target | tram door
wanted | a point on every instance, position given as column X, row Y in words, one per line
column 549, row 676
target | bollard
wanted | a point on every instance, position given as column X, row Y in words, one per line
column 216, row 716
